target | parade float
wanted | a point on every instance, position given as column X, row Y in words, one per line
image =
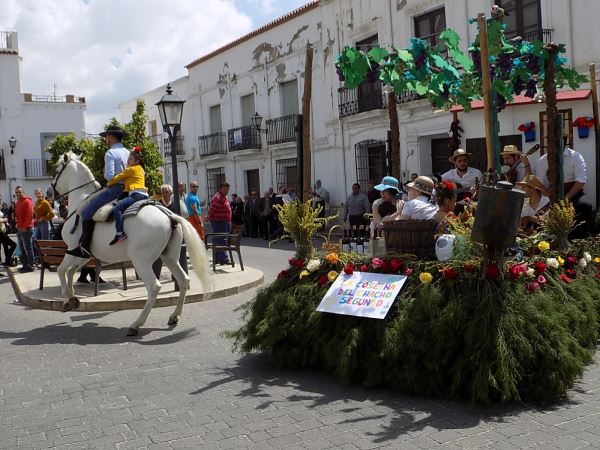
column 497, row 316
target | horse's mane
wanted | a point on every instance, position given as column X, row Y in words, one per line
column 75, row 157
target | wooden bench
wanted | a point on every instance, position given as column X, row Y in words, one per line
column 52, row 253
column 232, row 241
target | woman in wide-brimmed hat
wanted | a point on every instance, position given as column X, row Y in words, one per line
column 419, row 206
column 535, row 202
column 387, row 207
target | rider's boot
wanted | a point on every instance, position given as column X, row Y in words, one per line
column 83, row 251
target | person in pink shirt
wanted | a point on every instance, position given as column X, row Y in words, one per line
column 24, row 216
column 219, row 215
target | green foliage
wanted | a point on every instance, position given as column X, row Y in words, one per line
column 479, row 341
column 92, row 150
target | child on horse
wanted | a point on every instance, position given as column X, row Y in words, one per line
column 133, row 177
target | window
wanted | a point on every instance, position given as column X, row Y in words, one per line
column 214, row 112
column 478, row 149
column 430, row 25
column 287, row 173
column 370, row 162
column 214, row 177
column 152, row 128
column 289, row 98
column 567, row 127
column 524, row 18
column 248, row 109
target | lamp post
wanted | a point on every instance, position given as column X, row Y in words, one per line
column 256, row 120
column 13, row 143
column 170, row 109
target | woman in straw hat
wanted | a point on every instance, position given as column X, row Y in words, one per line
column 419, row 206
column 535, row 202
column 389, row 206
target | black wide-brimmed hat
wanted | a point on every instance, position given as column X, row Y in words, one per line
column 115, row 131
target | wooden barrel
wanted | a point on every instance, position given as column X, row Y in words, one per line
column 416, row 237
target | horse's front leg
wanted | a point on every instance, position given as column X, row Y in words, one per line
column 66, row 271
column 144, row 270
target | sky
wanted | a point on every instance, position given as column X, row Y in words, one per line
column 109, row 51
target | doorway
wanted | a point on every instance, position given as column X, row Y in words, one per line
column 253, row 181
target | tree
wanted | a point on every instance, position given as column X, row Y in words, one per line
column 92, row 150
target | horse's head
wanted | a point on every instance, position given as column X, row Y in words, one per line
column 71, row 174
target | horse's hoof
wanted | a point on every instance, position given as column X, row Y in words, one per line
column 71, row 304
column 173, row 321
column 132, row 332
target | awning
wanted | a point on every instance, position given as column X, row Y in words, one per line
column 561, row 96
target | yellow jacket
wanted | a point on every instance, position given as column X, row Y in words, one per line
column 133, row 176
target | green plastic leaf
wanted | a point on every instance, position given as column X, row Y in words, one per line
column 378, row 53
column 463, row 60
column 405, row 56
column 450, row 37
column 420, row 88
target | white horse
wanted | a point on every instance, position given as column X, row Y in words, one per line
column 151, row 234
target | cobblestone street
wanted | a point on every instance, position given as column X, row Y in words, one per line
column 75, row 381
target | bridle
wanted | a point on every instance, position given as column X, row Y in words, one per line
column 57, row 194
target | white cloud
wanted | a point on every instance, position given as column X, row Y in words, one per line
column 112, row 50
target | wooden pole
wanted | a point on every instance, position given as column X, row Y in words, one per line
column 395, row 135
column 306, row 147
column 486, row 85
column 551, row 130
column 594, row 88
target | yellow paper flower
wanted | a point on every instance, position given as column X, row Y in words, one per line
column 597, row 260
column 304, row 273
column 561, row 262
column 332, row 258
column 543, row 246
column 426, row 277
column 332, row 275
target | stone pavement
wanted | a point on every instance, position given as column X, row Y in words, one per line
column 75, row 381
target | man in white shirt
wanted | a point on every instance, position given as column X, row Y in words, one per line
column 320, row 197
column 462, row 174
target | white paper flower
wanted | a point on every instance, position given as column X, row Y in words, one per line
column 552, row 263
column 587, row 257
column 313, row 265
column 530, row 272
column 582, row 263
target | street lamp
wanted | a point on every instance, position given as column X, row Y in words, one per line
column 13, row 143
column 170, row 109
column 256, row 120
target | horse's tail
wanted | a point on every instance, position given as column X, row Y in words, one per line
column 198, row 254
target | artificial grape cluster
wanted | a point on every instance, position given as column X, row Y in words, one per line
column 531, row 88
column 419, row 60
column 533, row 64
column 373, row 73
column 500, row 102
column 340, row 74
column 519, row 86
column 476, row 58
column 504, row 64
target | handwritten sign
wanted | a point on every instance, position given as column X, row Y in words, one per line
column 362, row 294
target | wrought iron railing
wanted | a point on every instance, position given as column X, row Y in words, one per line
column 407, row 97
column 37, row 168
column 281, row 129
column 212, row 144
column 367, row 97
column 541, row 34
column 52, row 98
column 178, row 146
column 244, row 138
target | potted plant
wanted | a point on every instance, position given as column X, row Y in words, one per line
column 528, row 128
column 583, row 125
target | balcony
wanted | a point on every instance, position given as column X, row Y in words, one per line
column 37, row 168
column 178, row 146
column 367, row 97
column 30, row 98
column 407, row 97
column 244, row 138
column 281, row 129
column 212, row 144
column 9, row 42
column 541, row 34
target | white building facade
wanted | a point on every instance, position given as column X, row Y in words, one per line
column 33, row 120
column 264, row 72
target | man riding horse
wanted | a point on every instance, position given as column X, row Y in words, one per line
column 115, row 161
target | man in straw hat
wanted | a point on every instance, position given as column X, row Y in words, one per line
column 115, row 161
column 513, row 165
column 462, row 174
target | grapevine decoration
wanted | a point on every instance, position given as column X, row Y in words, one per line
column 447, row 76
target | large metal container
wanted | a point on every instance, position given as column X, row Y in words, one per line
column 498, row 215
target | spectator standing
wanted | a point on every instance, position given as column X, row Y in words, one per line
column 255, row 204
column 12, row 220
column 320, row 198
column 166, row 198
column 219, row 215
column 247, row 215
column 24, row 217
column 182, row 196
column 8, row 244
column 43, row 214
column 357, row 205
column 237, row 210
column 265, row 209
column 194, row 209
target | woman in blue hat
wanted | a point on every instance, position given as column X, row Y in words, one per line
column 389, row 206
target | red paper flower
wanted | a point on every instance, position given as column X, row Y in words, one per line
column 516, row 270
column 449, row 273
column 469, row 268
column 492, row 271
column 541, row 280
column 598, row 275
column 323, row 280
column 299, row 263
column 377, row 263
column 571, row 273
column 533, row 287
column 408, row 272
column 349, row 269
column 539, row 268
column 364, row 268
column 282, row 275
column 572, row 260
column 386, row 266
column 565, row 278
column 291, row 261
column 137, row 149
column 396, row 264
